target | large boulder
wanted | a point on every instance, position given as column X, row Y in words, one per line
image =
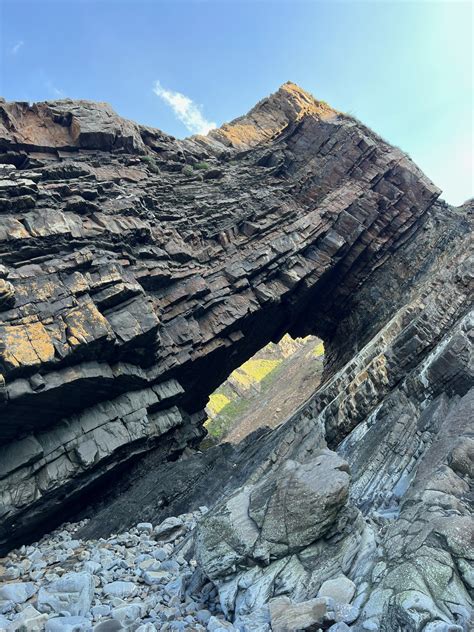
column 282, row 514
column 299, row 504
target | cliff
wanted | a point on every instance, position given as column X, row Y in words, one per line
column 138, row 271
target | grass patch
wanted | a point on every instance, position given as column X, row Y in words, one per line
column 217, row 401
column 254, row 371
column 150, row 163
column 318, row 350
column 187, row 170
column 221, row 424
column 226, row 410
column 202, row 165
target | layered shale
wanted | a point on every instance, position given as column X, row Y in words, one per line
column 138, row 271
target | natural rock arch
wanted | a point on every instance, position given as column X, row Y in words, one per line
column 139, row 285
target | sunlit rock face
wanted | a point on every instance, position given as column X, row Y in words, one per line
column 137, row 271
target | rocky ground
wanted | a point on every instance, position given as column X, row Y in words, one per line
column 141, row 580
column 136, row 580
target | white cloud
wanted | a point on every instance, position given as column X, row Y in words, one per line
column 54, row 90
column 188, row 112
column 14, row 49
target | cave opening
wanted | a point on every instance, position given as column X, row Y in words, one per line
column 264, row 390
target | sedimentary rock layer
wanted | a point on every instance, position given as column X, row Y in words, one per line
column 138, row 271
column 126, row 274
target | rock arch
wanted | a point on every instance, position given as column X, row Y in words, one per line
column 139, row 285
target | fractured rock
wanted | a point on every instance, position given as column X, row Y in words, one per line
column 280, row 515
column 72, row 594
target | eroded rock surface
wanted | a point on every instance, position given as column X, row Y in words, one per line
column 137, row 271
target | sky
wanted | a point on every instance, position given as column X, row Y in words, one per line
column 404, row 68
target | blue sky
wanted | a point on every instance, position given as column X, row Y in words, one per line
column 404, row 68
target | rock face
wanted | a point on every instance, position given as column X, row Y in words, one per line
column 274, row 518
column 137, row 271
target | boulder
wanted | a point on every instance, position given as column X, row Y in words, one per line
column 341, row 589
column 297, row 506
column 17, row 592
column 71, row 594
column 68, row 624
column 284, row 513
column 286, row 616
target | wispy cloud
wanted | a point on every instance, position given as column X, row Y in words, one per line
column 54, row 90
column 16, row 47
column 188, row 112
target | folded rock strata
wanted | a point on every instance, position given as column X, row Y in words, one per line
column 138, row 271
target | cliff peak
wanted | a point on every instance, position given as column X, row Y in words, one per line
column 270, row 116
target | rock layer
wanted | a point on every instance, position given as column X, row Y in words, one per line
column 138, row 271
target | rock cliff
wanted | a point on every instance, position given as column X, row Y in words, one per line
column 138, row 271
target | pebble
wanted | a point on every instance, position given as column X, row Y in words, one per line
column 136, row 580
column 17, row 593
column 120, row 589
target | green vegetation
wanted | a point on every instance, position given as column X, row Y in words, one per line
column 217, row 401
column 252, row 371
column 151, row 163
column 202, row 165
column 187, row 170
column 319, row 349
column 236, row 398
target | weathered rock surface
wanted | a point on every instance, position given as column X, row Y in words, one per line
column 131, row 287
column 275, row 517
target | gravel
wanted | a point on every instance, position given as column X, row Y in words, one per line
column 138, row 581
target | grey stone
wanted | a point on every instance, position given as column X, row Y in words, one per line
column 72, row 594
column 156, row 577
column 68, row 624
column 17, row 592
column 339, row 627
column 341, row 589
column 160, row 554
column 169, row 529
column 109, row 625
column 29, row 620
column 282, row 514
column 286, row 616
column 6, row 606
column 297, row 507
column 345, row 613
column 102, row 610
column 442, row 626
column 203, row 616
column 120, row 589
column 218, row 625
column 128, row 614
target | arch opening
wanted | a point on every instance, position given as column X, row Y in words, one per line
column 265, row 390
